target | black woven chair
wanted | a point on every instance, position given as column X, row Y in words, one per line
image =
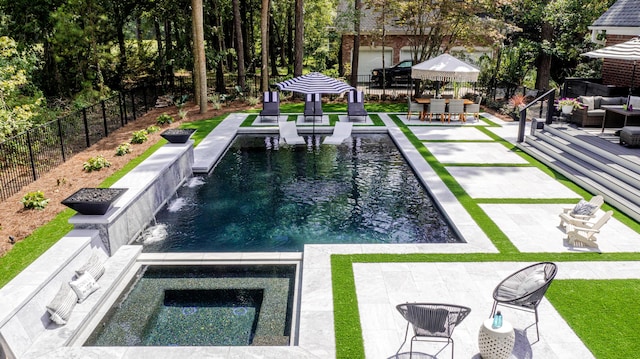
column 525, row 289
column 431, row 322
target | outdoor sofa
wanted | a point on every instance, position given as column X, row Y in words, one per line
column 593, row 110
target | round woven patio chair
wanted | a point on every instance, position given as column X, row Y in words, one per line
column 524, row 289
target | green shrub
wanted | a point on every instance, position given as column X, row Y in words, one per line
column 34, row 200
column 96, row 163
column 153, row 129
column 252, row 100
column 180, row 101
column 164, row 119
column 139, row 136
column 123, row 149
column 182, row 113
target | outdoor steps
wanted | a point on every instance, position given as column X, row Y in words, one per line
column 599, row 166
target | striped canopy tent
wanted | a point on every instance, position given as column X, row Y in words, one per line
column 629, row 50
column 314, row 82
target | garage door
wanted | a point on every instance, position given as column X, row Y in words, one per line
column 370, row 58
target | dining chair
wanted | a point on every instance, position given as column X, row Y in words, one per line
column 414, row 107
column 437, row 107
column 456, row 107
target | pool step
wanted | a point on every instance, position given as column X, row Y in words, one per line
column 270, row 341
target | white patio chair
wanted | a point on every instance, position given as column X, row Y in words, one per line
column 414, row 107
column 437, row 107
column 586, row 236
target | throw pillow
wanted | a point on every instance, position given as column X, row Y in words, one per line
column 84, row 286
column 583, row 208
column 532, row 282
column 587, row 101
column 62, row 304
column 93, row 267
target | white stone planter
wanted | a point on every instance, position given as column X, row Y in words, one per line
column 567, row 109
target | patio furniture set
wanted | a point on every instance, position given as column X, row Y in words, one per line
column 606, row 111
column 444, row 108
column 313, row 106
column 435, row 322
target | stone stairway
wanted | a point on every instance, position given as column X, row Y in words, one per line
column 598, row 165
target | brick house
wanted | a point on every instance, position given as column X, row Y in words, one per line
column 618, row 24
column 397, row 44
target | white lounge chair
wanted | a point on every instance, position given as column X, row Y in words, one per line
column 586, row 236
column 289, row 133
column 341, row 132
column 582, row 212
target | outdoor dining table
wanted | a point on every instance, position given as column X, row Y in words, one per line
column 426, row 101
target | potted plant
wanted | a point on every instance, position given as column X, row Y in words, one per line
column 568, row 104
column 178, row 135
column 93, row 201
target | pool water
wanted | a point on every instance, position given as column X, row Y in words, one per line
column 266, row 197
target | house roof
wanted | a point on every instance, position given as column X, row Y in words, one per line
column 624, row 13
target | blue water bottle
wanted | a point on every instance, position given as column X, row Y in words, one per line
column 497, row 320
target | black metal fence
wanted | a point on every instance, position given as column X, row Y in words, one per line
column 25, row 157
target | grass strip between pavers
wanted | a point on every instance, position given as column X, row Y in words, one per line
column 486, row 224
column 33, row 246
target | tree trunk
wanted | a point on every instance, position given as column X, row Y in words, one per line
column 272, row 45
column 237, row 24
column 200, row 66
column 355, row 55
column 298, row 51
column 160, row 60
column 544, row 59
column 264, row 29
column 169, row 53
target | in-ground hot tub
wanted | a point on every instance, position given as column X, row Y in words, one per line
column 208, row 305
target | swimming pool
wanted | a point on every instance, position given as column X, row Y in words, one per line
column 264, row 197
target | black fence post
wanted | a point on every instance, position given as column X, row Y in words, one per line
column 86, row 126
column 64, row 157
column 33, row 160
column 144, row 98
column 104, row 119
column 133, row 104
column 123, row 108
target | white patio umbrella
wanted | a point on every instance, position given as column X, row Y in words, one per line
column 445, row 68
column 629, row 50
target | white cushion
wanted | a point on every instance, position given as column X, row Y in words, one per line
column 533, row 281
column 635, row 102
column 93, row 267
column 62, row 304
column 84, row 286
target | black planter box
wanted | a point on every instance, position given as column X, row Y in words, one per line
column 178, row 135
column 93, row 201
